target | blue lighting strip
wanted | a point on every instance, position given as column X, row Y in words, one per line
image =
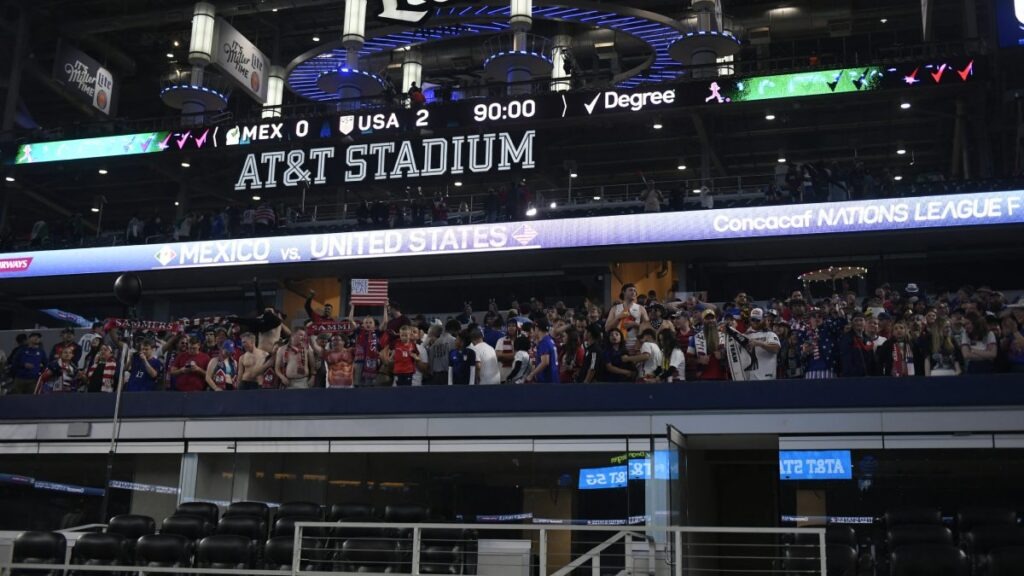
column 303, row 79
column 516, row 53
column 194, row 88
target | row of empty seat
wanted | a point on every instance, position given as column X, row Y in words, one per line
column 197, row 536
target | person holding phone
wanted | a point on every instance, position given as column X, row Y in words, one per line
column 189, row 368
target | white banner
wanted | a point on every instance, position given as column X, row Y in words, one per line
column 241, row 61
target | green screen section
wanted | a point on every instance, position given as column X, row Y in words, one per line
column 807, row 84
column 102, row 147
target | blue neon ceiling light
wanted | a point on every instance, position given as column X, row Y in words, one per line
column 656, row 35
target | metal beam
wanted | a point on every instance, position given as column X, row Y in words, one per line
column 705, row 143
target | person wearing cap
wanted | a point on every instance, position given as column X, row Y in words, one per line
column 222, row 371
column 706, row 346
column 28, row 363
column 764, row 344
column 67, row 340
column 545, row 370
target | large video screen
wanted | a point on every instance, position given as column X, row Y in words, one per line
column 1010, row 19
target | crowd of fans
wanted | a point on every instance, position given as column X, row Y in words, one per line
column 639, row 338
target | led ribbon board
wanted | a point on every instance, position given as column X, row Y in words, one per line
column 102, row 147
column 951, row 211
column 517, row 112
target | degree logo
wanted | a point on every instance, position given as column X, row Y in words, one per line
column 165, row 255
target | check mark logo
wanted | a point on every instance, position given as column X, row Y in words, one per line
column 163, row 145
column 183, row 139
column 938, row 74
column 202, row 139
column 966, row 71
column 593, row 103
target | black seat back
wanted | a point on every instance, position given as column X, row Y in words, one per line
column 1006, row 561
column 968, row 518
column 286, row 526
column 349, row 511
column 406, row 513
column 257, row 509
column 99, row 549
column 359, row 555
column 39, row 548
column 131, row 526
column 841, row 560
column 206, row 510
column 163, row 550
column 277, row 553
column 912, row 515
column 444, row 559
column 929, row 560
column 912, row 534
column 225, row 551
column 984, row 539
column 192, row 527
column 251, row 527
column 303, row 509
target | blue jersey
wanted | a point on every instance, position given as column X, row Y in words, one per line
column 139, row 379
column 462, row 362
column 546, row 347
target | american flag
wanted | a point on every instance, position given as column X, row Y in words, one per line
column 373, row 292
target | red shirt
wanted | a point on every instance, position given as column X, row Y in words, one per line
column 404, row 362
column 190, row 381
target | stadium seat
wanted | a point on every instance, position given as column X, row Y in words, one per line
column 1006, row 562
column 277, row 553
column 132, row 527
column 164, row 551
column 347, row 511
column 929, row 560
column 841, row 560
column 39, row 548
column 368, row 556
column 407, row 513
column 99, row 549
column 225, row 551
column 257, row 509
column 194, row 528
column 207, row 510
column 982, row 540
column 303, row 509
column 968, row 518
column 286, row 526
column 914, row 534
column 251, row 527
column 909, row 515
column 440, row 560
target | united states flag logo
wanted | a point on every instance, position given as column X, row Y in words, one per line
column 524, row 234
column 369, row 292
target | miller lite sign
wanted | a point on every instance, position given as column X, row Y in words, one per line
column 409, row 11
column 84, row 77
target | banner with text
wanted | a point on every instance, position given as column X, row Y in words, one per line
column 241, row 61
column 84, row 77
column 989, row 208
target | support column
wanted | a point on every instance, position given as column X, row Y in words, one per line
column 926, row 20
column 275, row 93
column 200, row 53
column 412, row 69
column 561, row 80
column 14, row 79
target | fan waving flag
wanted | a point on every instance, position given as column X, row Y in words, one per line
column 369, row 292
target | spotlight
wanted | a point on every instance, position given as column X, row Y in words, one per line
column 597, row 197
column 316, row 38
column 273, row 9
column 176, row 44
column 176, row 203
column 897, row 177
column 573, row 175
column 9, row 178
column 554, row 205
column 458, row 183
column 256, row 198
column 696, row 190
column 781, row 159
column 884, row 20
column 904, row 105
column 769, row 116
column 170, row 55
column 657, row 125
column 102, row 171
column 95, row 209
column 681, row 167
column 186, row 165
column 531, row 211
column 901, row 150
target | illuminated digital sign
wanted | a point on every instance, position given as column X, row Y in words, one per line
column 950, row 211
column 815, row 465
column 1010, row 19
column 489, row 114
column 603, row 478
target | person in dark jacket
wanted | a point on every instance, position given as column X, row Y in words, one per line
column 856, row 351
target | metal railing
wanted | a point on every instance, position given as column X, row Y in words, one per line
column 348, row 548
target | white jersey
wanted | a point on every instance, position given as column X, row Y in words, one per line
column 488, row 360
column 766, row 361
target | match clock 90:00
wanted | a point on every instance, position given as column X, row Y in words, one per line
column 513, row 110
